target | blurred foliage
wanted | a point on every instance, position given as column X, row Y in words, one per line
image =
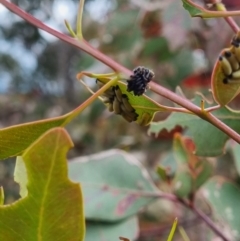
column 204, row 147
column 37, row 81
column 119, row 196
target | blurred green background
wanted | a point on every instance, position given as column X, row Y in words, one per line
column 37, row 78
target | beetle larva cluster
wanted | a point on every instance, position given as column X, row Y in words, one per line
column 118, row 103
column 230, row 61
column 138, row 82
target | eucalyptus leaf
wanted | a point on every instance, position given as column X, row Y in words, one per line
column 15, row 139
column 115, row 185
column 223, row 93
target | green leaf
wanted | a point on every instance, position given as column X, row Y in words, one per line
column 205, row 172
column 162, row 173
column 209, row 140
column 223, row 93
column 115, row 185
column 112, row 231
column 143, row 105
column 193, row 10
column 191, row 171
column 224, row 196
column 53, row 208
column 181, row 154
column 183, row 184
column 15, row 139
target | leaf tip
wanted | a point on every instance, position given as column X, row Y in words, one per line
column 69, row 28
column 124, row 239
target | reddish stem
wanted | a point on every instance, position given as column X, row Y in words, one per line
column 233, row 25
column 205, row 218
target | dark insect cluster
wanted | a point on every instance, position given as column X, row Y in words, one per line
column 118, row 103
column 138, row 82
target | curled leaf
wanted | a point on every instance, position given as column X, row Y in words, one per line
column 223, row 93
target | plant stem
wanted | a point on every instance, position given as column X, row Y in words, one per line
column 204, row 218
column 232, row 24
column 210, row 223
column 212, row 108
column 229, row 20
column 198, row 212
column 86, row 103
column 204, row 13
column 83, row 45
column 79, row 19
